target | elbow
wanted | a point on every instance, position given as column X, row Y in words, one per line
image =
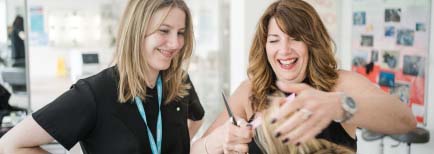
column 408, row 123
column 412, row 124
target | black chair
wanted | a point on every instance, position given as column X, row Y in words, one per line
column 3, row 131
column 418, row 136
column 368, row 135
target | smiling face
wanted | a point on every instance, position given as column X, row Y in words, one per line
column 164, row 39
column 287, row 56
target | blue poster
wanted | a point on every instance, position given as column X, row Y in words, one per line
column 38, row 36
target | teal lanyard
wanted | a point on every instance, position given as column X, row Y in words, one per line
column 156, row 148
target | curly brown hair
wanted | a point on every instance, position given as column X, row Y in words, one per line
column 299, row 20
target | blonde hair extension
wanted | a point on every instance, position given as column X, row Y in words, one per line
column 269, row 144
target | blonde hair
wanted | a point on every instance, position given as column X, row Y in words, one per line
column 130, row 60
column 299, row 20
column 269, row 144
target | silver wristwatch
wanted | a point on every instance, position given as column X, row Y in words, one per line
column 349, row 107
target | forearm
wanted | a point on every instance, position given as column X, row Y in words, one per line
column 33, row 150
column 12, row 148
column 384, row 114
column 26, row 137
column 210, row 144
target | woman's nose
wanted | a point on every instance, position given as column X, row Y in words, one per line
column 174, row 42
column 286, row 47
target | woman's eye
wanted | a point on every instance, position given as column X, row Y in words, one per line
column 273, row 41
column 181, row 33
column 164, row 31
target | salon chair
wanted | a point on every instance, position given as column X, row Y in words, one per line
column 368, row 135
column 418, row 136
column 16, row 78
column 3, row 130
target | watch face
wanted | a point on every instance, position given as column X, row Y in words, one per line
column 351, row 103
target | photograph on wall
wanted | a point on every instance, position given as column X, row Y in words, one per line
column 392, row 15
column 389, row 59
column 374, row 56
column 420, row 27
column 360, row 58
column 413, row 65
column 38, row 35
column 402, row 91
column 359, row 18
column 397, row 44
column 367, row 40
column 389, row 31
column 405, row 37
column 387, row 79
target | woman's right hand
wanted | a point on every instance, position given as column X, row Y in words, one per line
column 237, row 138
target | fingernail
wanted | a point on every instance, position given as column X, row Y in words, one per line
column 285, row 140
column 273, row 120
column 290, row 98
column 297, row 144
column 277, row 134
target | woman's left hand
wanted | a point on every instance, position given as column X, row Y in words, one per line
column 312, row 110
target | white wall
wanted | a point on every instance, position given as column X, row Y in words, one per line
column 244, row 17
column 14, row 8
column 3, row 24
column 344, row 46
column 365, row 147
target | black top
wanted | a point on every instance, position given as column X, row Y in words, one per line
column 90, row 113
column 334, row 133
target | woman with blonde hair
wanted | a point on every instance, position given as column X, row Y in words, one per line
column 140, row 105
column 292, row 52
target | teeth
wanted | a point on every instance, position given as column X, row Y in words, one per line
column 287, row 62
column 164, row 52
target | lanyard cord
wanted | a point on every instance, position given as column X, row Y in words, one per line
column 156, row 148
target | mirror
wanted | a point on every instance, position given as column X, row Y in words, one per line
column 14, row 101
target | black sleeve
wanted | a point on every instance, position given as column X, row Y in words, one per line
column 70, row 117
column 195, row 109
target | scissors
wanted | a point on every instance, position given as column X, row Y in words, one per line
column 229, row 109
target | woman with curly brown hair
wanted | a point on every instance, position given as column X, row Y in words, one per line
column 292, row 52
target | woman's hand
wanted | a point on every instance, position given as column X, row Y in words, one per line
column 236, row 138
column 312, row 110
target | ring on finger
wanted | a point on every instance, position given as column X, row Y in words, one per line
column 306, row 113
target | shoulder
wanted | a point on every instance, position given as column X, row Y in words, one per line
column 104, row 77
column 102, row 82
column 241, row 96
column 244, row 89
column 187, row 78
